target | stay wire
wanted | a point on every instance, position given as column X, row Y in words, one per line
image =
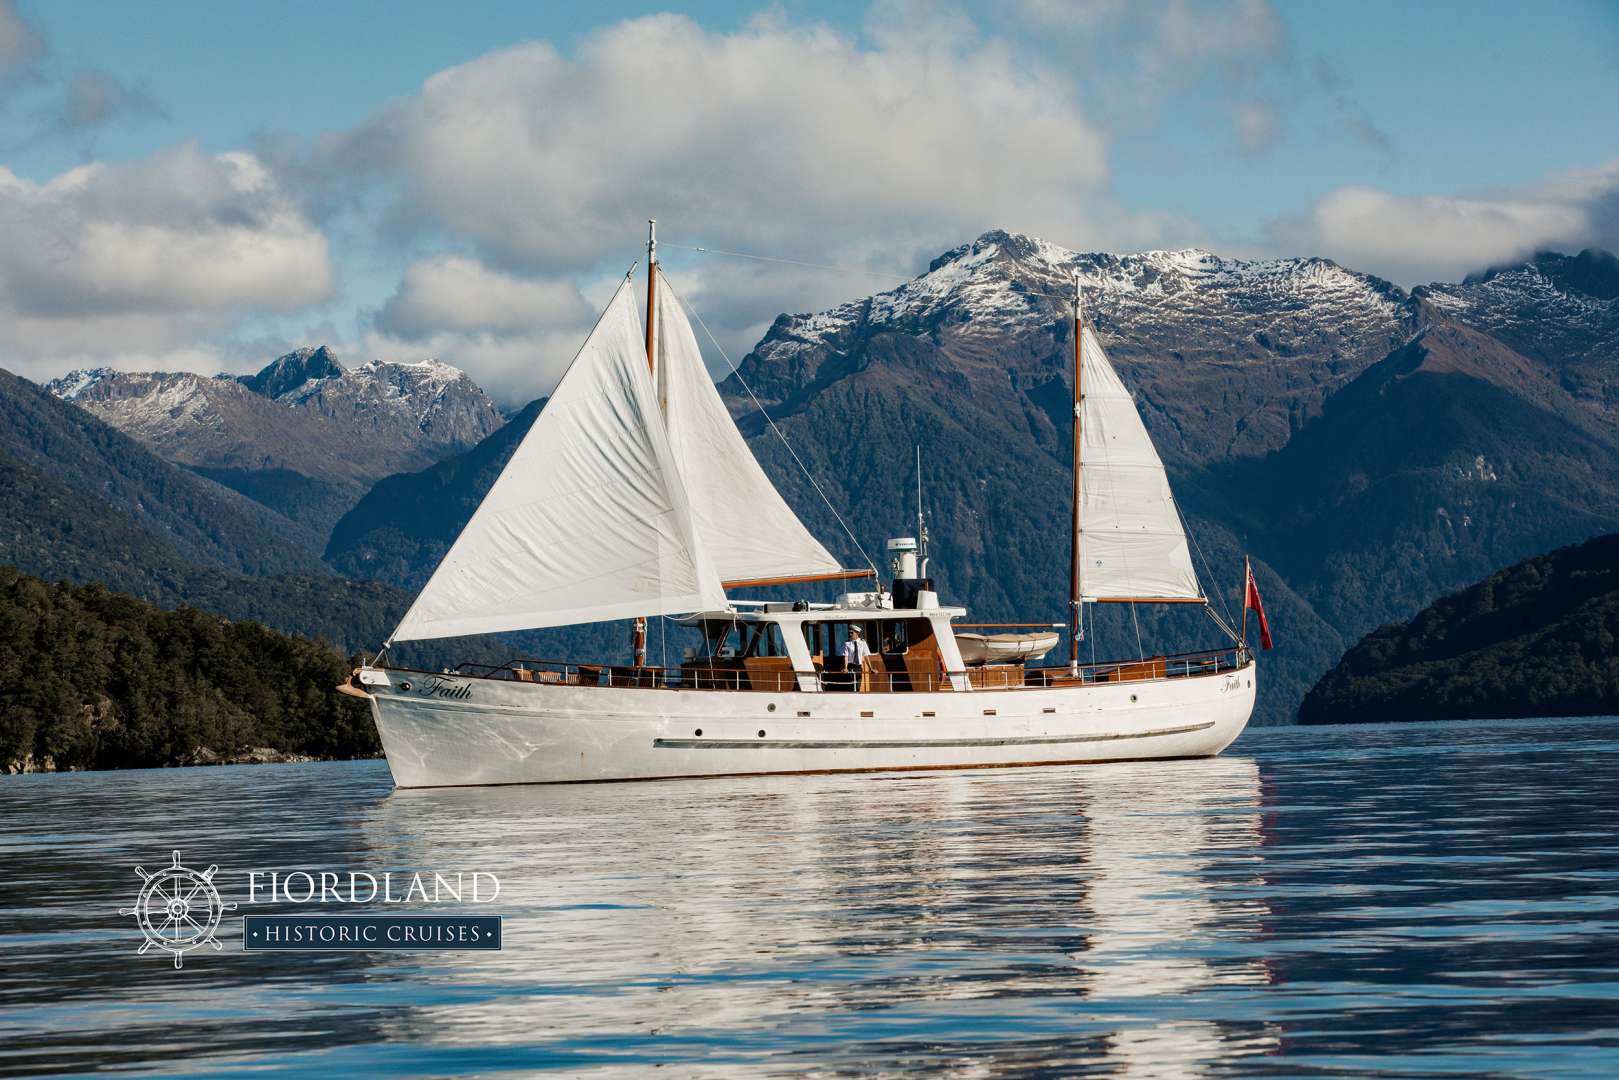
column 1219, row 594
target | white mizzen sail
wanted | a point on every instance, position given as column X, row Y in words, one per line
column 747, row 529
column 588, row 522
column 1131, row 543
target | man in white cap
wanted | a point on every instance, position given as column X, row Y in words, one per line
column 855, row 654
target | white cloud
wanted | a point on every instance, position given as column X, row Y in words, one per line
column 1258, row 127
column 1415, row 239
column 1143, row 53
column 774, row 137
column 146, row 258
column 19, row 42
column 456, row 294
column 1072, row 14
column 1188, row 30
column 513, row 368
column 513, row 334
column 92, row 98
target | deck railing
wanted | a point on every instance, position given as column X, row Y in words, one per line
column 982, row 677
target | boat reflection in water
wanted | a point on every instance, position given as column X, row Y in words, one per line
column 1069, row 916
column 1165, row 916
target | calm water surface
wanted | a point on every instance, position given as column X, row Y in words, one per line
column 1422, row 900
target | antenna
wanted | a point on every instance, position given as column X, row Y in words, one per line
column 921, row 524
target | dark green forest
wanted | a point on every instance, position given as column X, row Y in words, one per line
column 1540, row 638
column 94, row 679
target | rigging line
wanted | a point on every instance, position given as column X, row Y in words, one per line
column 786, row 262
column 779, row 433
column 1186, row 526
column 1221, row 623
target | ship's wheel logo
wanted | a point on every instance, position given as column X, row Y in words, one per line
column 178, row 909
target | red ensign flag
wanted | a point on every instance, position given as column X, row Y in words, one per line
column 1252, row 602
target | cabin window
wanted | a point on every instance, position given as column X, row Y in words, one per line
column 720, row 639
column 815, row 637
column 762, row 639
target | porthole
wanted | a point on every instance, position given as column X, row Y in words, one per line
column 405, row 686
column 771, row 707
column 761, row 733
column 698, row 733
column 1250, row 684
column 1132, row 697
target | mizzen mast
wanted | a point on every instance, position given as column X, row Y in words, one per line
column 638, row 633
column 1074, row 611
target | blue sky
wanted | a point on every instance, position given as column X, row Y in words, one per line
column 317, row 185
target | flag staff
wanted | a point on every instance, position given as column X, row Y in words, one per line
column 1247, row 576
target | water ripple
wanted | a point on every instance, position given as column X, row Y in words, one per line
column 1425, row 900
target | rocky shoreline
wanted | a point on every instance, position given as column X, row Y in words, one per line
column 202, row 755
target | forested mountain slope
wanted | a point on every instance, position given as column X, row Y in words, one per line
column 90, row 678
column 1540, row 638
column 208, row 524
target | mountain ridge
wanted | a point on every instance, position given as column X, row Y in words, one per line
column 304, row 436
column 208, row 523
column 1245, row 337
column 1371, row 448
column 972, row 363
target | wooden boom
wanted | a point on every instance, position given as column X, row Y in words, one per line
column 794, row 579
column 1150, row 600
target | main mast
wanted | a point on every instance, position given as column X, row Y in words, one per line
column 638, row 635
column 1074, row 609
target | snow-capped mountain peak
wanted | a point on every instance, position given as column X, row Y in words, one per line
column 304, row 411
column 1563, row 309
column 1185, row 320
column 77, row 382
column 293, row 377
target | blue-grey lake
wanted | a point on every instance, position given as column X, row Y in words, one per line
column 1419, row 900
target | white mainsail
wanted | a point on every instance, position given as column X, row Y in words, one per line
column 589, row 521
column 747, row 529
column 1131, row 544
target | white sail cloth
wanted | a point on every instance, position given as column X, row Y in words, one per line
column 747, row 530
column 1131, row 542
column 590, row 519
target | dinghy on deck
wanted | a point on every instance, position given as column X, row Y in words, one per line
column 1006, row 648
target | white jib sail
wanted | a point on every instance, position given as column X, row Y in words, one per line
column 747, row 529
column 589, row 521
column 1131, row 543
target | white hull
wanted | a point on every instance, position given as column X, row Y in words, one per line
column 442, row 730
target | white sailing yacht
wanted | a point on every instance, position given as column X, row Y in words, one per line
column 635, row 495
